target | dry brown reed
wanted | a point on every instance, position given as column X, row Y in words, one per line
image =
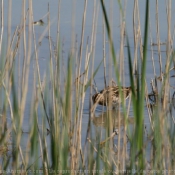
column 62, row 109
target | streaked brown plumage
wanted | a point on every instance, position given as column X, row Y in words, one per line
column 110, row 95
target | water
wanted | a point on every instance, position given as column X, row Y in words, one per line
column 40, row 9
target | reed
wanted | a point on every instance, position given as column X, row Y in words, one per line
column 115, row 141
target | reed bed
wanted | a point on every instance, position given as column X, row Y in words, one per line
column 54, row 140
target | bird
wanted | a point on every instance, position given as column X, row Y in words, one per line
column 40, row 22
column 109, row 96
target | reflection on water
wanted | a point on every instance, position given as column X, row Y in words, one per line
column 116, row 116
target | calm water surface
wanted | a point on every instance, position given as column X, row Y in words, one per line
column 40, row 9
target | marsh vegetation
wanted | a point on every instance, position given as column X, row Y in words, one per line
column 137, row 137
